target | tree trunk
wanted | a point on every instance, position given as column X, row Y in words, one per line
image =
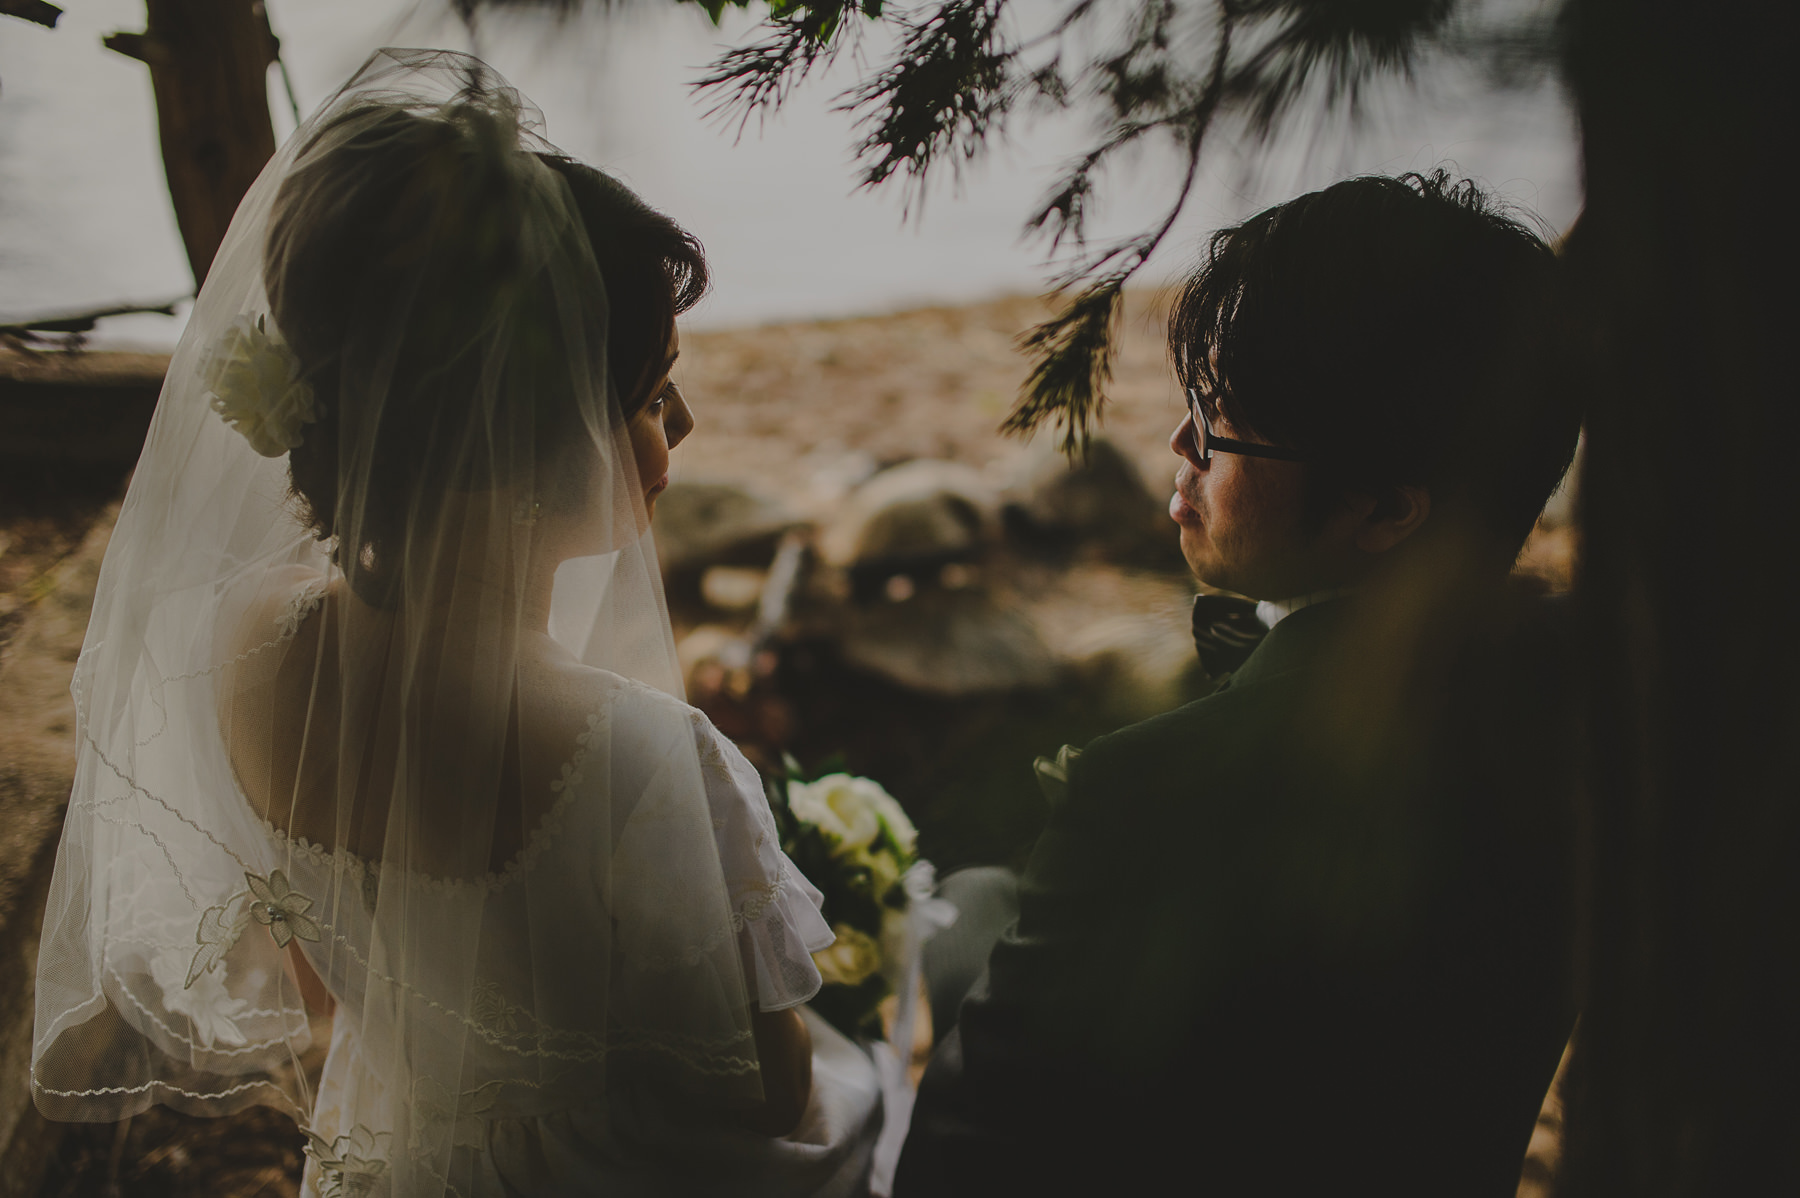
column 1686, row 1077
column 209, row 65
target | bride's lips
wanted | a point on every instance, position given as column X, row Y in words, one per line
column 661, row 485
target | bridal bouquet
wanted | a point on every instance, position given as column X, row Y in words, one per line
column 853, row 841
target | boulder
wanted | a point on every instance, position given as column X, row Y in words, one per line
column 1138, row 664
column 733, row 588
column 918, row 512
column 712, row 649
column 1100, row 501
column 950, row 643
column 832, row 472
column 699, row 524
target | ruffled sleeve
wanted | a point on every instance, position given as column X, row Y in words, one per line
column 774, row 908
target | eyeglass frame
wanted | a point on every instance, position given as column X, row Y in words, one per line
column 1206, row 441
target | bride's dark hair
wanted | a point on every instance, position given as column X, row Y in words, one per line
column 654, row 271
column 401, row 268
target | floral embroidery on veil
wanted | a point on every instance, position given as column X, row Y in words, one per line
column 353, row 1165
column 202, row 998
column 272, row 903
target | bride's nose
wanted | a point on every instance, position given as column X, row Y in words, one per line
column 678, row 422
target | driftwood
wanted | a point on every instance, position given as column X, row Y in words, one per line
column 35, row 11
column 85, row 410
column 209, row 62
column 80, row 320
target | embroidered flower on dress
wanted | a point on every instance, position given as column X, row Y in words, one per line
column 281, row 910
column 352, row 1166
column 441, row 1117
column 303, row 603
column 207, row 1006
column 490, row 1008
column 253, row 382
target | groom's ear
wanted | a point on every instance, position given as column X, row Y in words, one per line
column 1393, row 517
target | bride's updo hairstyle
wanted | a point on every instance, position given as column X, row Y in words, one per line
column 420, row 263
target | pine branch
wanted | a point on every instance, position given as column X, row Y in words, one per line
column 757, row 78
column 1074, row 352
column 1074, row 349
column 1063, row 211
column 1143, row 76
column 1346, row 42
column 943, row 93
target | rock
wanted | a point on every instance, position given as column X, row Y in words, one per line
column 1140, row 665
column 951, row 643
column 1102, row 501
column 712, row 646
column 733, row 588
column 918, row 512
column 832, row 472
column 699, row 524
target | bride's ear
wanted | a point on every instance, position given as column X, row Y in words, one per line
column 1393, row 518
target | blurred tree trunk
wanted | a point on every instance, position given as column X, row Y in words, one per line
column 209, row 65
column 1686, row 1078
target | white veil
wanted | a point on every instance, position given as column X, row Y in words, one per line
column 330, row 704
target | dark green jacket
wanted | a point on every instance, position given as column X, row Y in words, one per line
column 1255, row 957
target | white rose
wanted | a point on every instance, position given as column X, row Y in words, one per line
column 807, row 801
column 893, row 817
column 254, row 383
column 839, row 804
column 852, row 957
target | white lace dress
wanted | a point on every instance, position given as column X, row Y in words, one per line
column 630, row 1144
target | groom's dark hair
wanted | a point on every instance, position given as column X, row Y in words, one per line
column 1400, row 332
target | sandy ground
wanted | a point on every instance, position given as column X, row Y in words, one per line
column 773, row 404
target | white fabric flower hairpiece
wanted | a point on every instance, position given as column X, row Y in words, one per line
column 253, row 382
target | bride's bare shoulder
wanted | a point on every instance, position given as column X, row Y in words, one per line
column 268, row 607
column 570, row 693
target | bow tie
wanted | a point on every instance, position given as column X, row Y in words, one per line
column 1226, row 631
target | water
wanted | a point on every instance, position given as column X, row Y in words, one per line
column 85, row 218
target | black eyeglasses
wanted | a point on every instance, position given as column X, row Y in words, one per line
column 1207, row 442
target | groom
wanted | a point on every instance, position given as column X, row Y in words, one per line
column 1310, row 933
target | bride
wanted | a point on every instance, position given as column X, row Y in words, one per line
column 380, row 713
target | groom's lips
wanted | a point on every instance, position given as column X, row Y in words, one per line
column 1180, row 510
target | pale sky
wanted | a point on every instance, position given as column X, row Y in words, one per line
column 85, row 220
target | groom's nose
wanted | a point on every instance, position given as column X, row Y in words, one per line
column 1182, row 443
